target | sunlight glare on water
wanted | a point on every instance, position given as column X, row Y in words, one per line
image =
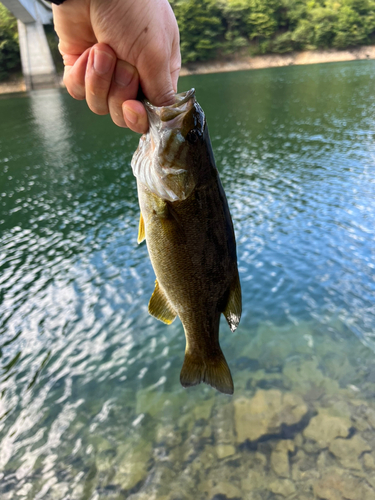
column 90, row 401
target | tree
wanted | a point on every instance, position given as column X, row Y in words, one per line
column 262, row 20
column 9, row 47
column 201, row 28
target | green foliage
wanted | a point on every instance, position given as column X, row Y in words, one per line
column 9, row 49
column 282, row 43
column 303, row 35
column 233, row 41
column 201, row 28
column 264, row 18
column 210, row 28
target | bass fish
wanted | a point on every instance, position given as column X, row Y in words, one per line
column 189, row 233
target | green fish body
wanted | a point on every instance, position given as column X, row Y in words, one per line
column 187, row 225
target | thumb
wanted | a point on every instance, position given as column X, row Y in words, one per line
column 157, row 86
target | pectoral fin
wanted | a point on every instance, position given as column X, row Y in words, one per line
column 160, row 307
column 232, row 310
column 141, row 230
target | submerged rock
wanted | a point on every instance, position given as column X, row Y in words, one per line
column 304, row 467
column 338, row 485
column 280, row 458
column 203, row 409
column 225, row 450
column 226, row 490
column 220, row 482
column 245, row 363
column 167, row 435
column 132, row 464
column 160, row 404
column 266, row 413
column 324, row 428
column 204, row 461
column 253, row 495
column 290, row 339
column 370, row 415
column 304, row 375
column 323, row 460
column 364, row 416
column 348, row 451
column 223, row 430
column 255, row 480
column 283, row 487
column 368, row 461
column 262, row 379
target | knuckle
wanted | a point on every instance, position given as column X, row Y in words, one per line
column 76, row 93
column 60, row 48
column 98, row 109
column 97, row 96
column 99, row 84
column 115, row 111
column 75, row 90
column 119, row 121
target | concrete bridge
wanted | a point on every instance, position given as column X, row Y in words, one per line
column 37, row 64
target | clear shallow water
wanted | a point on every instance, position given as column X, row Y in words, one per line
column 91, row 405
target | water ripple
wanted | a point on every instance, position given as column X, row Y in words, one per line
column 80, row 357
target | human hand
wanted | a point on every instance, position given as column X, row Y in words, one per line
column 110, row 47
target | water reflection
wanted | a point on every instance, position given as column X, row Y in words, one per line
column 49, row 115
column 90, row 401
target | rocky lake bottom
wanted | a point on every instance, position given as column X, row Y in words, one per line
column 299, row 426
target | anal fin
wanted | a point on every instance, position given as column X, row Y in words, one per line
column 141, row 230
column 233, row 309
column 160, row 307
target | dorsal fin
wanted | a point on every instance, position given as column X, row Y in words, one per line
column 141, row 230
column 160, row 307
column 232, row 310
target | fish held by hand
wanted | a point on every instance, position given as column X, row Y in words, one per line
column 189, row 233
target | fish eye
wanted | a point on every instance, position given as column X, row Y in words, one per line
column 193, row 135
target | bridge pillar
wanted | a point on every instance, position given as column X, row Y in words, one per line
column 37, row 64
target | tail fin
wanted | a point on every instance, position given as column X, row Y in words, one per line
column 213, row 371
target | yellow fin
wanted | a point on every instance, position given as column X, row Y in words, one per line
column 159, row 306
column 233, row 308
column 213, row 371
column 141, row 230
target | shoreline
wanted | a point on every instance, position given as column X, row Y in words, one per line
column 240, row 63
column 14, row 85
column 277, row 60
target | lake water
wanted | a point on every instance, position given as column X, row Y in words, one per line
column 90, row 401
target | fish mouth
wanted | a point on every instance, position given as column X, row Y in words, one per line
column 161, row 161
column 184, row 102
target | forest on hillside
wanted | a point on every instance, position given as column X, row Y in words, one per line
column 212, row 28
column 217, row 28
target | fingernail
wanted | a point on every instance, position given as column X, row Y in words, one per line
column 102, row 62
column 130, row 115
column 123, row 74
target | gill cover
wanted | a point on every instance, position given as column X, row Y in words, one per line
column 161, row 161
